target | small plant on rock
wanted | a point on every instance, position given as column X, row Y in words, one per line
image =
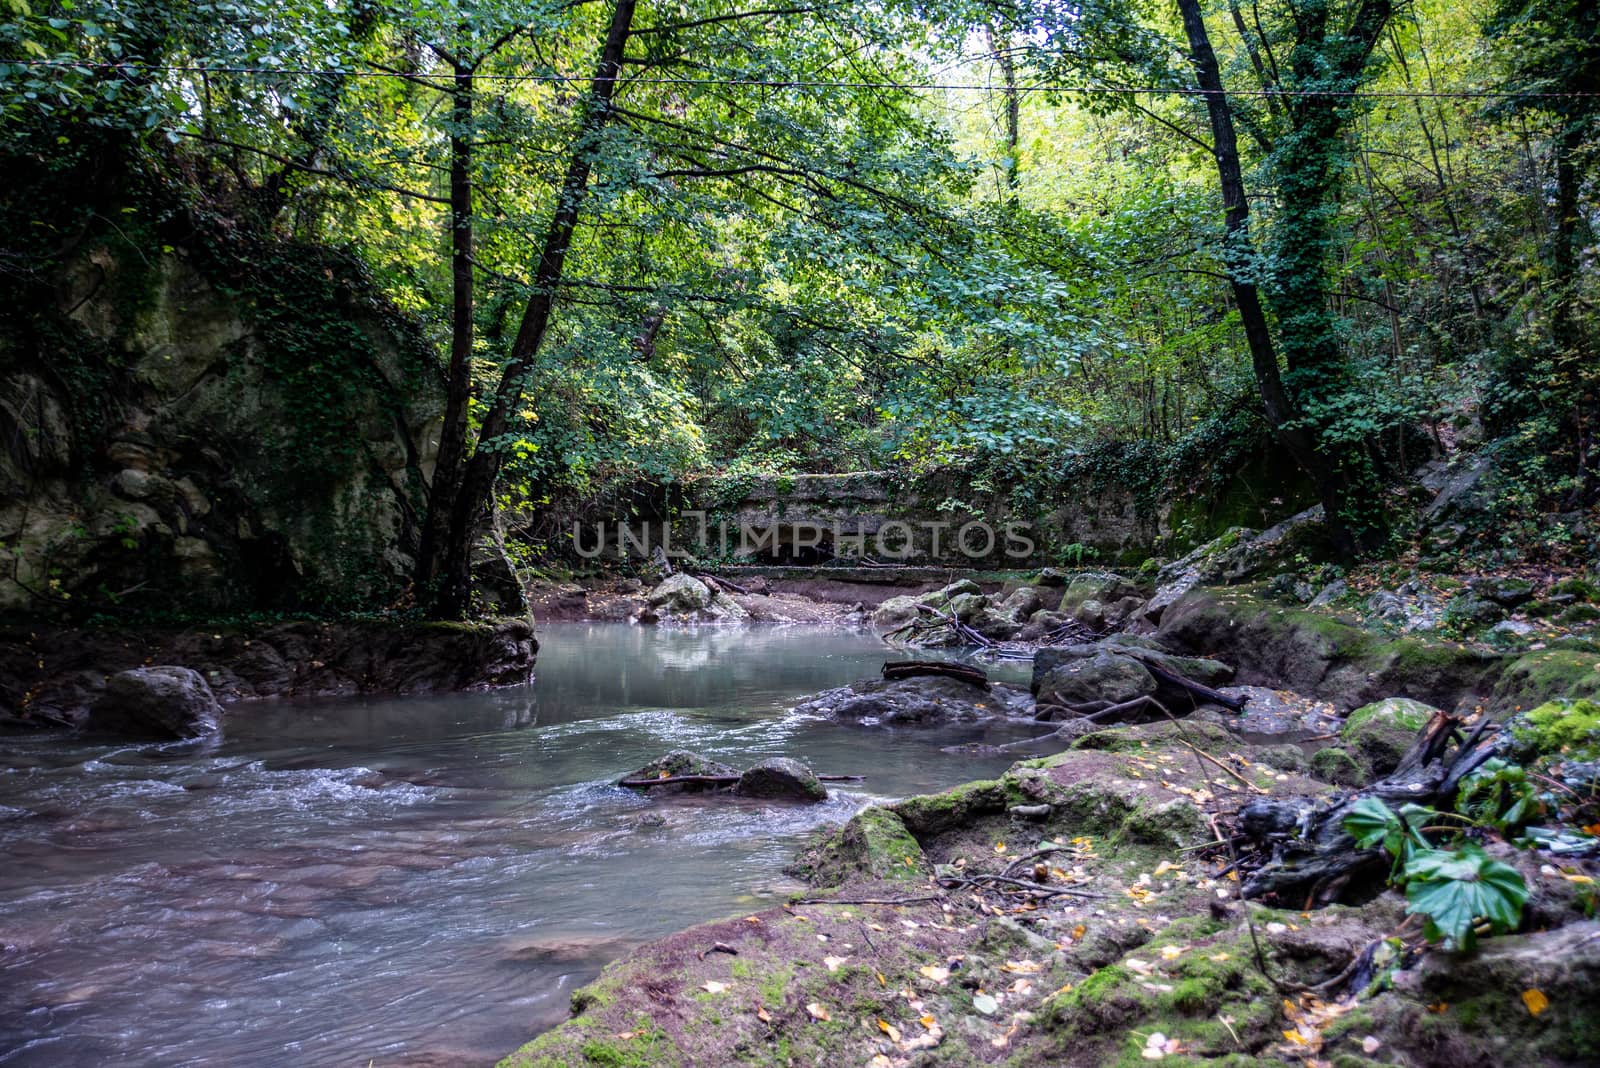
column 1459, row 891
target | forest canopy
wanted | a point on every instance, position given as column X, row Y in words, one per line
column 653, row 239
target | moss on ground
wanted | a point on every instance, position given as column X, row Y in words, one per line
column 1545, row 675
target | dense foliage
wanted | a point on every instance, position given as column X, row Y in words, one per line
column 830, row 236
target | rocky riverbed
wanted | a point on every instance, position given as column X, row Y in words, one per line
column 1083, row 908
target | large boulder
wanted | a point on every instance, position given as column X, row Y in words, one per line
column 922, row 700
column 1103, row 586
column 783, row 779
column 1237, row 554
column 1021, row 603
column 1080, row 674
column 895, row 613
column 1383, row 731
column 681, row 594
column 156, row 702
column 995, row 624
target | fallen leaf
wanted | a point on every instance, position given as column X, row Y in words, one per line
column 1370, row 1044
column 1078, row 932
column 889, row 1029
column 880, row 1061
column 935, row 973
column 832, row 963
column 1022, row 967
column 763, row 1015
column 1171, row 952
column 711, row 986
column 881, row 980
column 1295, row 1037
column 985, row 1004
column 818, row 1011
column 1535, row 1000
column 999, row 847
column 927, row 1021
column 625, row 1036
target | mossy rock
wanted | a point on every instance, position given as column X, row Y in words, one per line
column 1570, row 729
column 682, row 762
column 874, row 843
column 1383, row 731
column 1579, row 613
column 644, row 1046
column 1213, row 974
column 1471, row 1009
column 1580, row 589
column 1337, row 765
column 1546, row 675
column 934, row 814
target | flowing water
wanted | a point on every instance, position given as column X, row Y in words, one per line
column 418, row 880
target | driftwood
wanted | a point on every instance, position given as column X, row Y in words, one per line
column 1195, row 689
column 907, row 669
column 714, row 582
column 715, row 780
column 1296, row 852
column 937, row 621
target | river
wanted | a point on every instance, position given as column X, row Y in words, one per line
column 419, row 880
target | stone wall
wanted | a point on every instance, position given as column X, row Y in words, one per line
column 810, row 518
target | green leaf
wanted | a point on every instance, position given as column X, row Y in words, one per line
column 1370, row 822
column 1455, row 889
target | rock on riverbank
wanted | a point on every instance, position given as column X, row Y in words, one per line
column 1060, row 915
column 53, row 676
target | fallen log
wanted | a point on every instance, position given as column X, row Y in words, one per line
column 907, row 669
column 1296, row 852
column 715, row 582
column 715, row 780
column 1196, row 689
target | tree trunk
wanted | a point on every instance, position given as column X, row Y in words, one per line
column 1001, row 47
column 451, row 594
column 1300, row 275
column 447, row 469
column 1575, row 375
column 1238, row 251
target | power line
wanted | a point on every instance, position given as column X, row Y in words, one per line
column 764, row 83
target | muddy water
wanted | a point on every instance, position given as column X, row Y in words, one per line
column 410, row 881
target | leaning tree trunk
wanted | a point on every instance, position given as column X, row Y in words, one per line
column 465, row 511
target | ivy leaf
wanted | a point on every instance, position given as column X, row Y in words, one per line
column 1454, row 888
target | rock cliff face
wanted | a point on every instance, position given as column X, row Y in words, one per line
column 177, row 429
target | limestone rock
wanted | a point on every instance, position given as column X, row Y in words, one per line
column 681, row 593
column 895, row 613
column 1021, row 603
column 682, row 762
column 157, row 702
column 1097, row 674
column 917, row 701
column 781, row 778
column 1382, row 731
